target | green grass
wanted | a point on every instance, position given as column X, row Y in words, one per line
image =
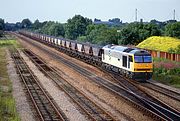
column 167, row 72
column 6, row 43
column 171, row 80
column 7, row 103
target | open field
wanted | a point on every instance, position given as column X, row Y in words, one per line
column 159, row 43
column 7, row 102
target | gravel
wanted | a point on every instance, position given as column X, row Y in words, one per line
column 22, row 104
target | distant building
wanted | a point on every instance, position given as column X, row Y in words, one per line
column 141, row 20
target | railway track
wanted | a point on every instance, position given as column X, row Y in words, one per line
column 161, row 108
column 44, row 106
column 165, row 110
column 92, row 110
column 154, row 109
column 170, row 93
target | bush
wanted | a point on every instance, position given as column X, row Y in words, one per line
column 168, row 79
column 167, row 72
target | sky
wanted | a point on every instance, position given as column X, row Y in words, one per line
column 62, row 10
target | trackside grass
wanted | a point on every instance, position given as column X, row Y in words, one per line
column 7, row 43
column 7, row 103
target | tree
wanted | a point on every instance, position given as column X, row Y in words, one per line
column 159, row 23
column 100, row 34
column 173, row 29
column 115, row 20
column 46, row 26
column 2, row 26
column 93, row 31
column 52, row 28
column 82, row 39
column 134, row 33
column 36, row 25
column 148, row 30
column 26, row 23
column 1, row 33
column 76, row 26
column 18, row 25
column 128, row 36
column 107, row 36
column 97, row 20
column 56, row 29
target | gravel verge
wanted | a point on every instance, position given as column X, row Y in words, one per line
column 22, row 104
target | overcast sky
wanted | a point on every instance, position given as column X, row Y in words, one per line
column 61, row 10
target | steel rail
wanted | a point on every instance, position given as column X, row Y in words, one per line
column 165, row 91
column 42, row 107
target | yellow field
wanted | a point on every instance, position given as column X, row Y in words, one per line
column 159, row 43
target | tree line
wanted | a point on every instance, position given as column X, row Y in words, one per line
column 85, row 30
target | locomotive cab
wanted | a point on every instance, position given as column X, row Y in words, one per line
column 143, row 66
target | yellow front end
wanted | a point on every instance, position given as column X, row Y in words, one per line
column 143, row 67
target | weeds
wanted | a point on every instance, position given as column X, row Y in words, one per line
column 167, row 72
column 7, row 103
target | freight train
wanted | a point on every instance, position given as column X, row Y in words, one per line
column 130, row 62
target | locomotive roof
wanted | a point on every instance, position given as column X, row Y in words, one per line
column 119, row 48
column 115, row 47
